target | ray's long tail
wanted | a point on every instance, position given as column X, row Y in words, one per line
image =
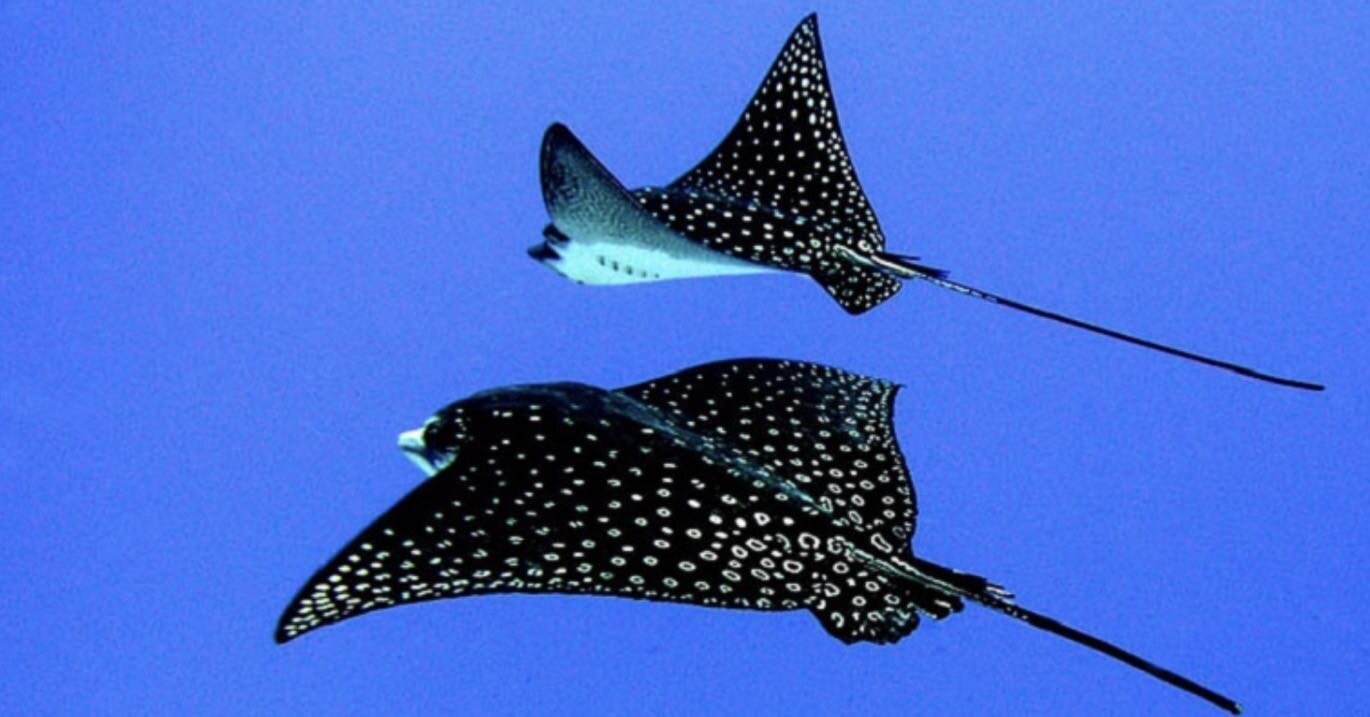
column 996, row 598
column 904, row 268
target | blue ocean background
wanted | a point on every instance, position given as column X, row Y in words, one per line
column 244, row 245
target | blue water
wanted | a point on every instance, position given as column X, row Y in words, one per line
column 242, row 247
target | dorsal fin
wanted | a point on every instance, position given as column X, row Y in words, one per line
column 829, row 431
column 786, row 151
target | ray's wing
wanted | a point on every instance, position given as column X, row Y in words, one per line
column 570, row 498
column 829, row 431
column 580, row 193
column 786, row 151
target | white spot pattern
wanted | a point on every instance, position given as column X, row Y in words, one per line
column 781, row 189
column 729, row 484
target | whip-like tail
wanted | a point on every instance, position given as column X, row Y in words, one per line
column 931, row 576
column 904, row 268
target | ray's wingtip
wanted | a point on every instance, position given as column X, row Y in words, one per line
column 556, row 136
column 809, row 25
column 558, row 128
column 283, row 635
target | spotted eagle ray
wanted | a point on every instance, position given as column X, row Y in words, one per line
column 779, row 193
column 757, row 484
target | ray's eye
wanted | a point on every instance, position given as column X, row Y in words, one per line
column 439, row 436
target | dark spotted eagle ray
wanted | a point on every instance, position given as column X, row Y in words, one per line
column 778, row 194
column 759, row 484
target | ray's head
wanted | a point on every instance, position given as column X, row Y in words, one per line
column 434, row 445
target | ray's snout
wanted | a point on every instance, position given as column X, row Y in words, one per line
column 416, row 450
column 546, row 251
column 543, row 252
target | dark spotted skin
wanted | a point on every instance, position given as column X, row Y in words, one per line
column 756, row 484
column 785, row 164
column 781, row 189
column 746, row 484
column 769, row 236
column 786, row 151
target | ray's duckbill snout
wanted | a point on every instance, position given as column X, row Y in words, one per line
column 546, row 250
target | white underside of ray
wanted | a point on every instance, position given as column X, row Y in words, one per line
column 649, row 253
column 607, row 237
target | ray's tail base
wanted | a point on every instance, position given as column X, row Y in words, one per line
column 994, row 597
column 910, row 263
column 903, row 267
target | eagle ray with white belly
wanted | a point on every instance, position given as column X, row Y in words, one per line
column 779, row 193
column 758, row 484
